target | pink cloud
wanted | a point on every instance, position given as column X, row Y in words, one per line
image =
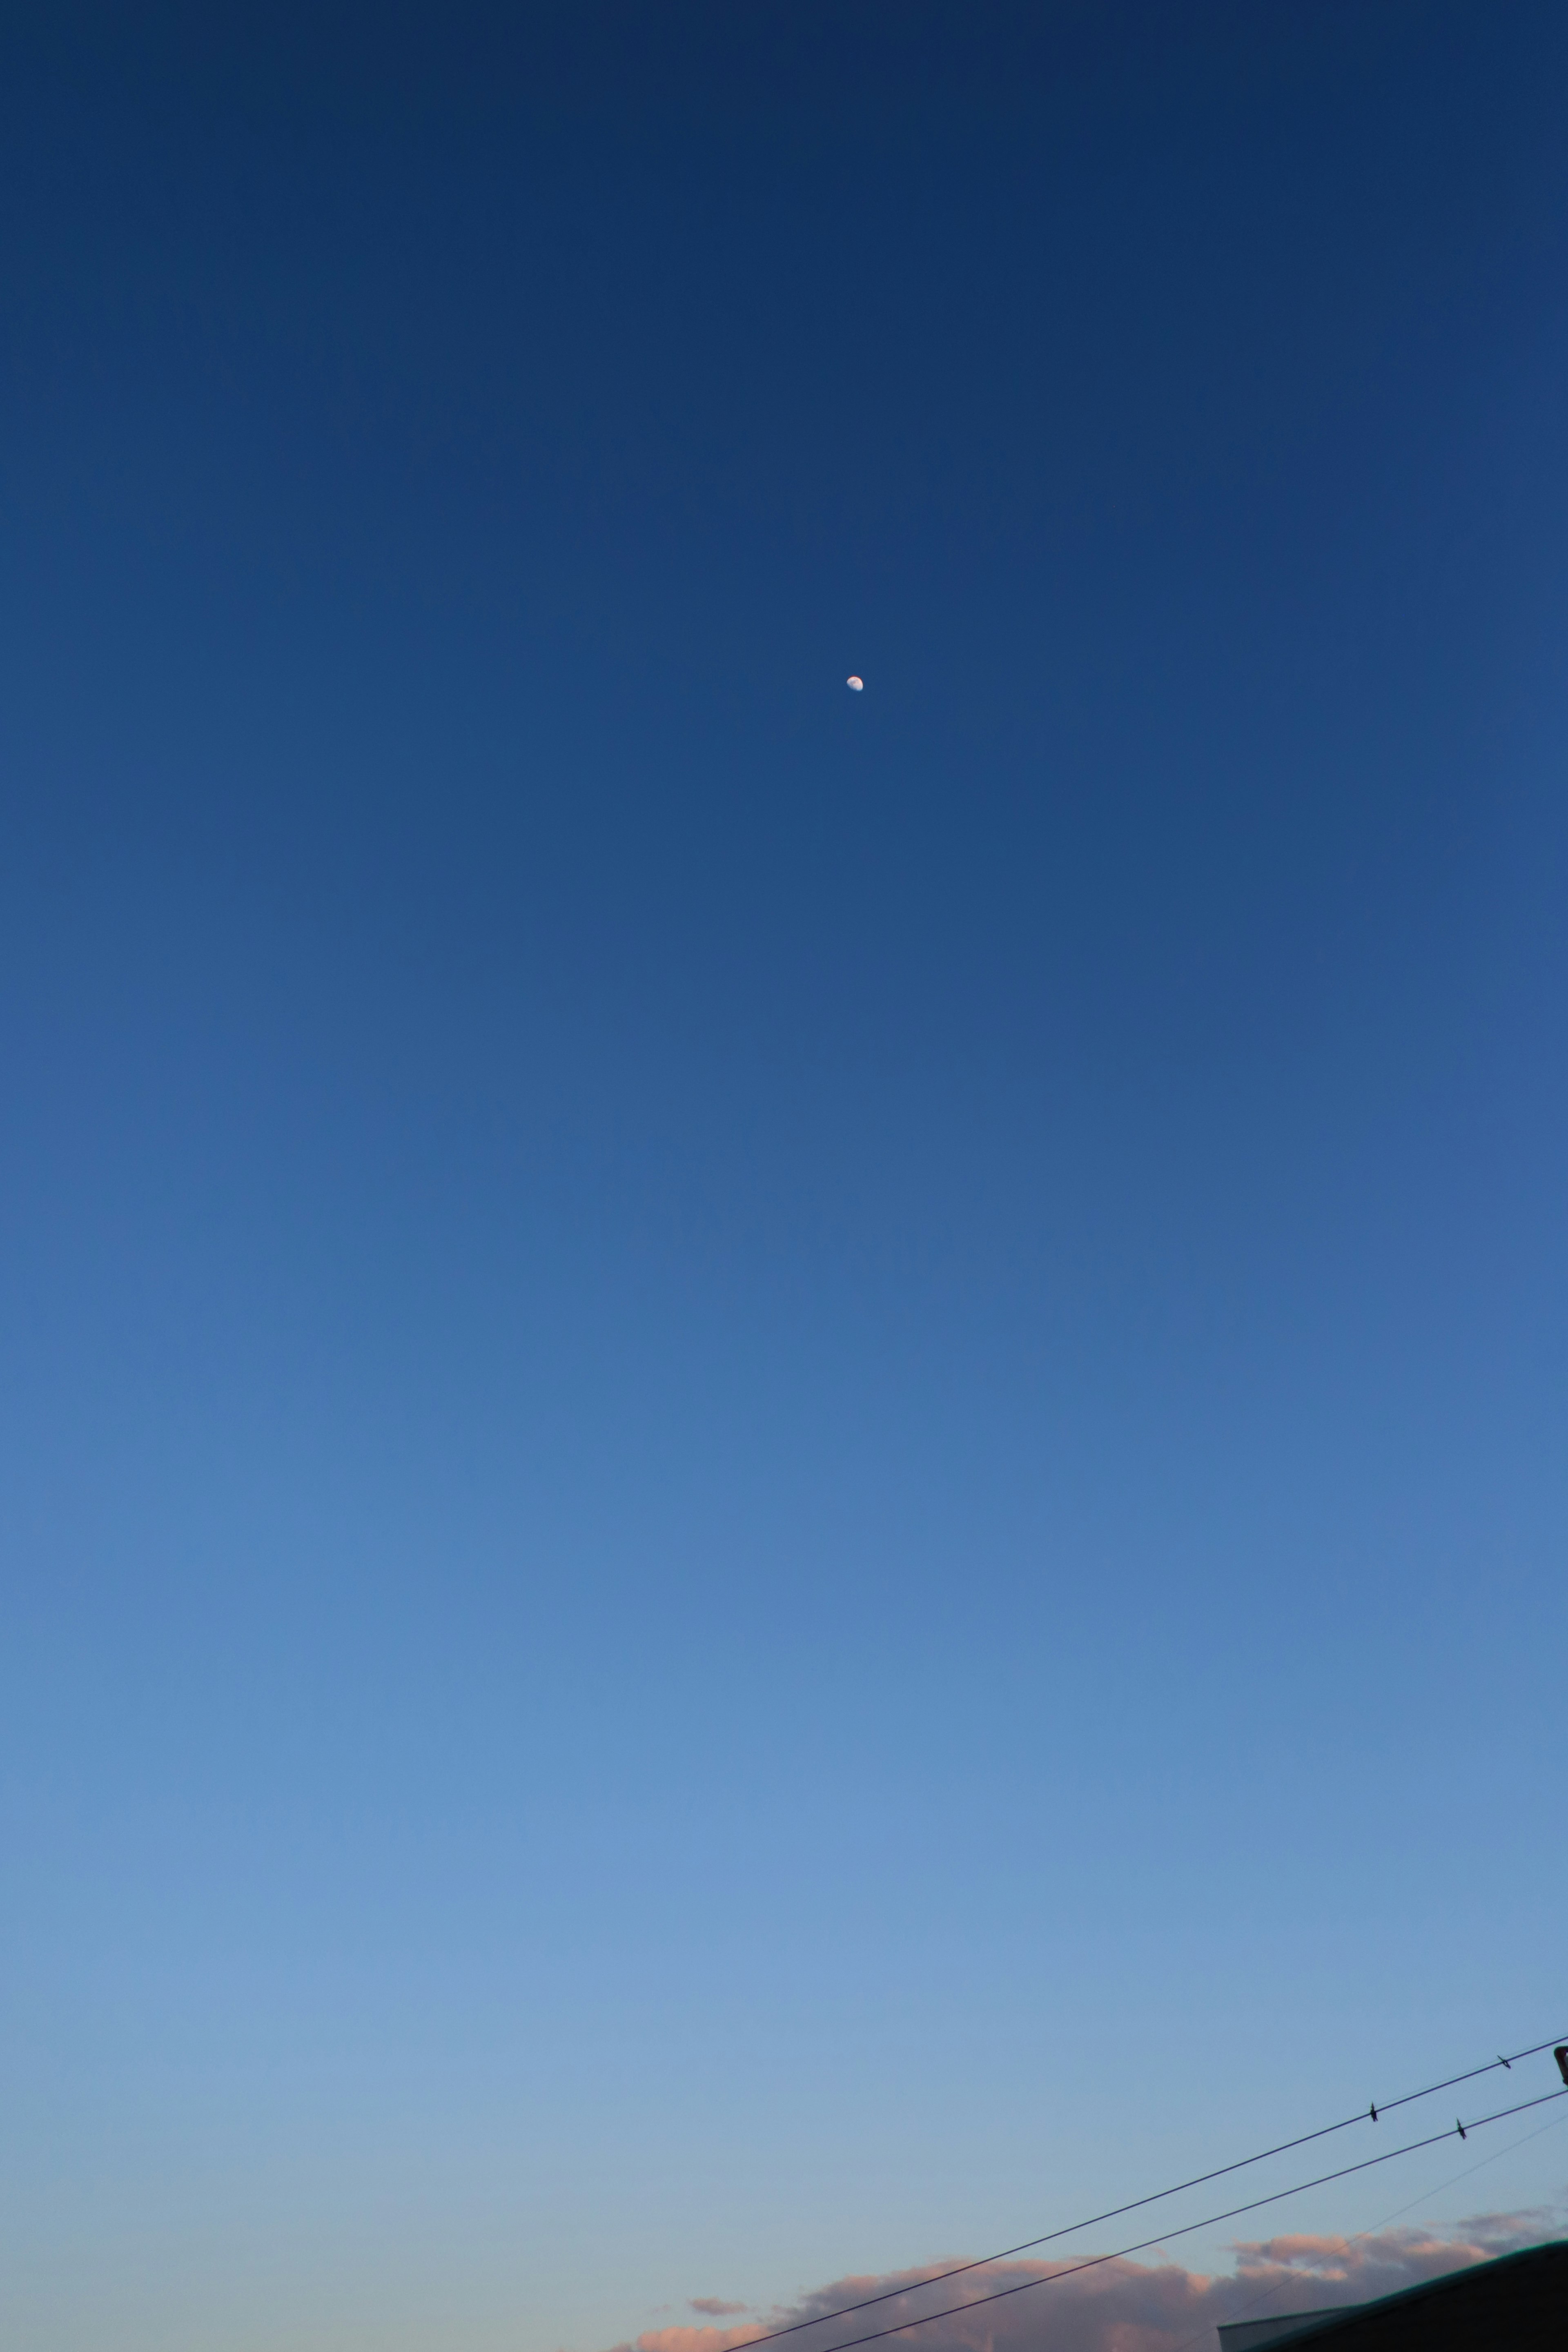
column 695, row 2339
column 1126, row 2306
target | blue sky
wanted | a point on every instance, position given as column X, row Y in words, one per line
column 783, row 1471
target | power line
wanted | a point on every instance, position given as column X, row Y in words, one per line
column 1027, row 2245
column 1095, row 2262
column 1245, row 2311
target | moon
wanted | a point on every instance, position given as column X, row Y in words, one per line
column 856, row 685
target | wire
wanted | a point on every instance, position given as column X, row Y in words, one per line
column 1555, row 2123
column 951, row 2310
column 1243, row 2311
column 1114, row 2213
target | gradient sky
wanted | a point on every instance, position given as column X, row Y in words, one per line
column 782, row 1473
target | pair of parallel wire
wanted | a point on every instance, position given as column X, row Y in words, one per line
column 1373, row 2114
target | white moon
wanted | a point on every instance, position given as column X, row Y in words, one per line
column 856, row 685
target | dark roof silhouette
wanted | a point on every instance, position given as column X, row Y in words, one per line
column 1514, row 2305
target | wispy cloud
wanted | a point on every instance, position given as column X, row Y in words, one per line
column 714, row 2308
column 1125, row 2306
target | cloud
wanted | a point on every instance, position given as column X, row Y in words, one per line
column 693, row 2339
column 1125, row 2306
column 714, row 2308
